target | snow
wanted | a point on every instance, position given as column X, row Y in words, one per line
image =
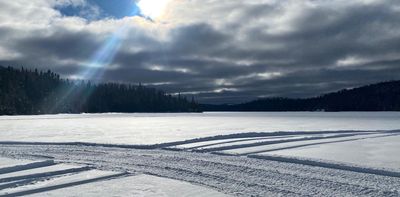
column 210, row 154
column 140, row 185
column 8, row 162
column 232, row 175
column 161, row 128
column 369, row 149
column 58, row 182
column 31, row 177
column 37, row 171
column 256, row 148
column 373, row 152
column 75, row 180
column 271, row 140
column 329, row 164
column 13, row 165
column 218, row 143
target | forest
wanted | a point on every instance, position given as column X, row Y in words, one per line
column 25, row 91
column 384, row 96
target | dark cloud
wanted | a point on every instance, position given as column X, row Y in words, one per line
column 60, row 44
column 244, row 51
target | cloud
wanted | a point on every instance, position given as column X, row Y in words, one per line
column 222, row 51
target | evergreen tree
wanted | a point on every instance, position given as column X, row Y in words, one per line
column 24, row 91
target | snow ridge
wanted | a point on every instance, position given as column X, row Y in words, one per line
column 69, row 184
column 330, row 164
column 28, row 166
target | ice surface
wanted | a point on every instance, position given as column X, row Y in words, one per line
column 140, row 185
column 161, row 128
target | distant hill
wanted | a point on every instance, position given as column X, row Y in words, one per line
column 36, row 92
column 383, row 96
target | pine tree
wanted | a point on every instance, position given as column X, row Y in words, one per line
column 36, row 92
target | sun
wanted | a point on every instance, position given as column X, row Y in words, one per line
column 152, row 8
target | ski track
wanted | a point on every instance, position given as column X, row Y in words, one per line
column 195, row 161
column 63, row 185
column 27, row 166
column 239, row 176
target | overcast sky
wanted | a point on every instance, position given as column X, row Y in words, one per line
column 222, row 51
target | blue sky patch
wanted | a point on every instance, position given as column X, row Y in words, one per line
column 97, row 9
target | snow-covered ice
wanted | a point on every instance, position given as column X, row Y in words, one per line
column 292, row 144
column 35, row 172
column 161, row 128
column 73, row 180
column 139, row 185
column 57, row 182
column 7, row 162
column 232, row 175
column 374, row 152
column 211, row 154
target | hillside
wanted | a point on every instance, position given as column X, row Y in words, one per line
column 383, row 96
column 36, row 92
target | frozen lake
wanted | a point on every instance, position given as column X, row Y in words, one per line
column 160, row 128
column 341, row 162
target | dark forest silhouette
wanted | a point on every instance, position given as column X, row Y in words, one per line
column 25, row 91
column 36, row 92
column 383, row 96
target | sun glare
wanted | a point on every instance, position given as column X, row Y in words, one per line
column 152, row 8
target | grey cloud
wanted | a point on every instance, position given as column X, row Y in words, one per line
column 61, row 44
column 306, row 56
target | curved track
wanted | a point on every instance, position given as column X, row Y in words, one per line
column 235, row 175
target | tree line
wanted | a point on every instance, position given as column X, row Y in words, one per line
column 24, row 91
column 384, row 96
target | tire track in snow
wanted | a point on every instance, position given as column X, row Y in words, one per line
column 28, row 166
column 240, row 176
column 339, row 166
column 316, row 143
column 64, row 185
column 44, row 174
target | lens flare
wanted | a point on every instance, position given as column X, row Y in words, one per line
column 152, row 8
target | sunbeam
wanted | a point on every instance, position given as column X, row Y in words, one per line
column 104, row 56
column 95, row 68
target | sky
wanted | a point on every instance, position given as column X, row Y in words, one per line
column 220, row 51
